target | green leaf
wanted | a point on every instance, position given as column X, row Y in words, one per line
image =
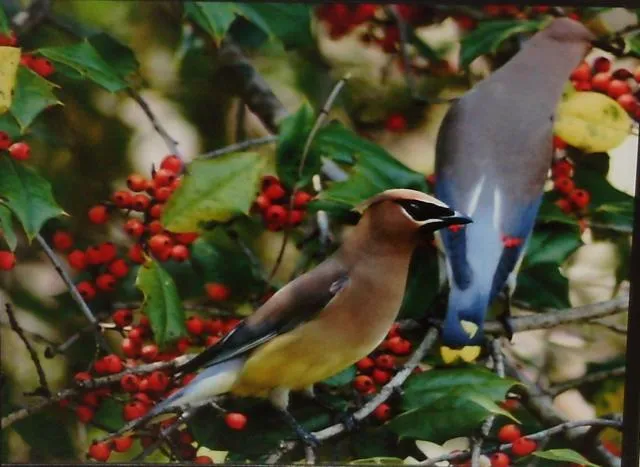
column 488, row 36
column 425, row 388
column 161, row 303
column 109, row 414
column 248, row 11
column 422, row 284
column 33, row 94
column 564, row 455
column 614, row 214
column 459, row 411
column 551, row 245
column 289, row 22
column 375, row 170
column 119, row 57
column 4, row 22
column 46, row 437
column 342, row 378
column 215, row 18
column 28, row 195
column 9, row 125
column 292, row 138
column 6, row 227
column 543, row 286
column 214, row 190
column 83, row 58
column 633, row 41
column 550, row 213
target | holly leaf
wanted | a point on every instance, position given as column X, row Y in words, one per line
column 292, row 137
column 289, row 22
column 119, row 57
column 618, row 215
column 109, row 414
column 84, row 59
column 4, row 23
column 564, row 455
column 342, row 378
column 488, row 36
column 28, row 195
column 550, row 213
column 422, row 283
column 161, row 303
column 214, row 190
column 6, row 227
column 33, row 94
column 551, row 245
column 46, row 437
column 9, row 60
column 374, row 171
column 423, row 389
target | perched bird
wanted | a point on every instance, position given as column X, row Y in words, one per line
column 326, row 319
column 493, row 153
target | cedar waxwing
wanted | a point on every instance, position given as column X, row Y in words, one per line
column 326, row 319
column 493, row 153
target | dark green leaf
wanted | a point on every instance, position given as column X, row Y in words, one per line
column 425, row 388
column 248, row 11
column 294, row 131
column 119, row 57
column 422, row 283
column 33, row 94
column 488, row 36
column 633, row 41
column 289, row 22
column 215, row 18
column 422, row 47
column 6, row 227
column 375, row 169
column 4, row 22
column 550, row 213
column 214, row 190
column 342, row 378
column 615, row 215
column 161, row 303
column 109, row 414
column 85, row 59
column 9, row 125
column 46, row 436
column 551, row 245
column 543, row 286
column 28, row 195
column 601, row 191
column 564, row 455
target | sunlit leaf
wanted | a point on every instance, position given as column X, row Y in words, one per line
column 9, row 61
column 33, row 94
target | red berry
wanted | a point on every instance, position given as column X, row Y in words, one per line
column 183, row 344
column 390, row 40
column 179, row 253
column 149, row 352
column 212, row 340
column 629, row 103
column 133, row 410
column 622, row 74
column 617, row 88
column 20, row 151
column 137, row 334
column 581, row 73
column 564, row 185
column 274, row 192
column 129, row 383
column 217, row 292
column 100, row 366
column 500, row 459
column 564, row 205
column 580, row 198
column 81, row 376
column 122, row 443
column 276, row 214
column 8, row 40
column 84, row 413
column 119, row 268
column 106, row 282
column 602, row 64
column 42, row 66
column 296, row 217
column 382, row 412
column 364, row 12
column 509, row 433
column 122, row 199
column 134, row 227
column 385, row 361
column 582, row 85
column 235, row 420
column 162, row 194
column 274, row 226
column 186, row 379
column 558, row 143
column 86, row 290
column 130, row 348
column 158, row 381
column 62, row 240
column 268, row 180
column 155, row 227
column 381, row 376
column 137, row 183
column 523, row 447
column 362, row 383
column 100, row 451
column 186, row 238
column 140, row 202
column 155, row 211
column 90, row 399
column 122, row 317
column 366, row 364
column 202, row 460
column 230, row 325
column 171, row 163
column 396, row 123
column 7, row 260
column 159, row 243
column 164, row 177
column 394, row 330
column 113, row 363
column 98, row 214
column 398, row 345
column 213, row 326
column 562, row 169
column 301, row 199
column 5, row 140
column 600, row 81
column 136, row 254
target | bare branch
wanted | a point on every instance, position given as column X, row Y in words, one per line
column 586, row 379
column 240, row 146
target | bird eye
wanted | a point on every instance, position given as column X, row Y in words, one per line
column 421, row 211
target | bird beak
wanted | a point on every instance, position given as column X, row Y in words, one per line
column 457, row 219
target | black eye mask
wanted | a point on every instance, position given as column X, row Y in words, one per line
column 421, row 211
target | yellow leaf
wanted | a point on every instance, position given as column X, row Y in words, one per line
column 592, row 122
column 9, row 61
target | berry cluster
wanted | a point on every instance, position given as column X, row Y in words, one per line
column 39, row 65
column 574, row 200
column 20, row 151
column 520, row 445
column 379, row 367
column 274, row 201
column 620, row 84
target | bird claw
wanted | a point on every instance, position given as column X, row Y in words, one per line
column 309, row 439
column 349, row 421
column 507, row 324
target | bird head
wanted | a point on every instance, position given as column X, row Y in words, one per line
column 402, row 212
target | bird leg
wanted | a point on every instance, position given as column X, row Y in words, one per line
column 505, row 316
column 344, row 417
column 279, row 397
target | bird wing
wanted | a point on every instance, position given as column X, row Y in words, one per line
column 295, row 303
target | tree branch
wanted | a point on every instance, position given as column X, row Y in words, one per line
column 586, row 379
column 250, row 143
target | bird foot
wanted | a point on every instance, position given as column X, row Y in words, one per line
column 507, row 324
column 308, row 439
column 349, row 421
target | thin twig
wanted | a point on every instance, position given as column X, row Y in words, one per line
column 44, row 385
column 74, row 292
column 586, row 379
column 171, row 143
column 250, row 143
